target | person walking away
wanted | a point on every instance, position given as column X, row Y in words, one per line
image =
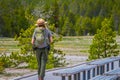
column 41, row 39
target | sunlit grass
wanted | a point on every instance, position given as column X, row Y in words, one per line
column 78, row 45
column 75, row 45
column 8, row 45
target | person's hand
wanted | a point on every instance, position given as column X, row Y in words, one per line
column 32, row 41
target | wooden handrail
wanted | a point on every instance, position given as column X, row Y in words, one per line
column 84, row 71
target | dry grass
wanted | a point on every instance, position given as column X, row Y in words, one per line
column 75, row 45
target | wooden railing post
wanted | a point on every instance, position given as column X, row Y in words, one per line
column 84, row 75
column 119, row 63
column 63, row 77
column 98, row 70
column 78, row 76
column 107, row 67
column 112, row 65
column 94, row 72
column 88, row 74
column 69, row 78
column 75, row 76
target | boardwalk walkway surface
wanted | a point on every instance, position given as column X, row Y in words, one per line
column 85, row 71
column 49, row 76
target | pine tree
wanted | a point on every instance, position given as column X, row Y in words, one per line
column 104, row 42
column 56, row 57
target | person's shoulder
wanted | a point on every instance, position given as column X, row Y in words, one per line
column 47, row 30
column 36, row 28
column 39, row 28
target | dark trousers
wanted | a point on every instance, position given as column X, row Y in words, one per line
column 41, row 55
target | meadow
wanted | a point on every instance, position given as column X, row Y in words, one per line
column 69, row 45
column 8, row 45
column 78, row 45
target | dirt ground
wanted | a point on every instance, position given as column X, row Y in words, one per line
column 11, row 73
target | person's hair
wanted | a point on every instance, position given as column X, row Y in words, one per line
column 41, row 25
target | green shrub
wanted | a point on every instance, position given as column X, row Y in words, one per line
column 1, row 67
column 27, row 56
column 33, row 63
column 26, row 50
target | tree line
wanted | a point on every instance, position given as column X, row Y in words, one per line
column 69, row 17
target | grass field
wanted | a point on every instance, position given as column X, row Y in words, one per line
column 8, row 45
column 78, row 45
column 75, row 45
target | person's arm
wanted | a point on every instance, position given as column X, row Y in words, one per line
column 51, row 39
column 33, row 38
column 32, row 41
column 50, row 36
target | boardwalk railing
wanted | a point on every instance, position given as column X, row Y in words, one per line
column 90, row 70
column 110, row 75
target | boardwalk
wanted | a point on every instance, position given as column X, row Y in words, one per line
column 34, row 76
column 85, row 71
column 72, row 60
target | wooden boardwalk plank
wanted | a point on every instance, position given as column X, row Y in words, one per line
column 49, row 76
column 87, row 69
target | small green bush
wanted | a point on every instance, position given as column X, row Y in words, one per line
column 27, row 56
column 1, row 67
column 26, row 50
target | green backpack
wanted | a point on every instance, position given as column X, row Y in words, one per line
column 39, row 37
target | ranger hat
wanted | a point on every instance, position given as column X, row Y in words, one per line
column 40, row 22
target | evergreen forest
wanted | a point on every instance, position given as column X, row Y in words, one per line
column 68, row 17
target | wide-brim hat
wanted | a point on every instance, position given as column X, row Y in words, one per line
column 40, row 22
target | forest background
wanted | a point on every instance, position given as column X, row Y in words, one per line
column 69, row 17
